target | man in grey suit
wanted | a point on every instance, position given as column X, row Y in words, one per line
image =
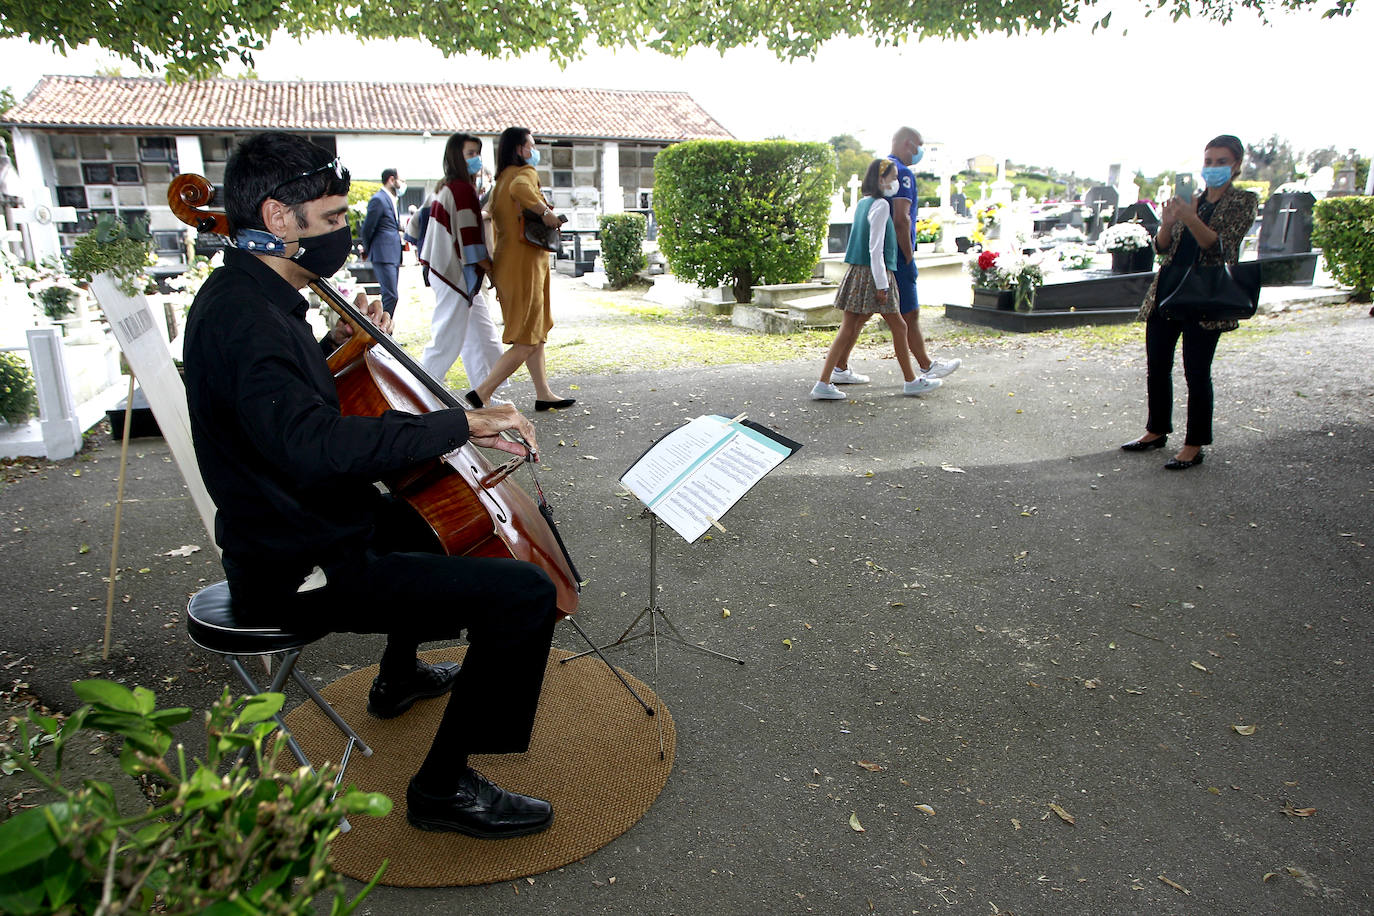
column 381, row 237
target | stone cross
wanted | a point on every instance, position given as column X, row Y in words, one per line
column 42, row 217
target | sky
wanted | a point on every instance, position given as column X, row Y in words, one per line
column 1073, row 100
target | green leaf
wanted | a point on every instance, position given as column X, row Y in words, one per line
column 22, row 894
column 146, row 700
column 24, row 839
column 260, row 708
column 165, row 718
column 108, row 694
column 374, row 804
column 63, row 878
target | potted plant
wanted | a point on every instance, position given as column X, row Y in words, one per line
column 1005, row 281
column 54, row 292
column 220, row 837
column 1131, row 247
column 927, row 234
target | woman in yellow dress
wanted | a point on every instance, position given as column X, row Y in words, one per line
column 520, row 271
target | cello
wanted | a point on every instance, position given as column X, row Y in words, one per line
column 471, row 506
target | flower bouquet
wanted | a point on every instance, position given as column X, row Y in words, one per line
column 1125, row 237
column 1008, row 271
column 1129, row 244
column 927, row 230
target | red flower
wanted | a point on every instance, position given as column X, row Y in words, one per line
column 986, row 260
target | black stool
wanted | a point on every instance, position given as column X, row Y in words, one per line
column 212, row 625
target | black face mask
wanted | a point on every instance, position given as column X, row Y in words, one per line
column 324, row 254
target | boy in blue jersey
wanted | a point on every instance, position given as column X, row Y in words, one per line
column 906, row 152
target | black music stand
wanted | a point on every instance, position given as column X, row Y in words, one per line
column 679, row 469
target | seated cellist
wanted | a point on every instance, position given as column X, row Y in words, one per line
column 309, row 542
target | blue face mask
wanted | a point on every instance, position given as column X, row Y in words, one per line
column 1216, row 176
column 534, row 157
column 474, row 165
column 920, row 152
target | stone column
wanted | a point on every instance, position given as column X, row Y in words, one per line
column 56, row 408
column 612, row 194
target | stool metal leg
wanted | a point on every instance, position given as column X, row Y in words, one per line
column 329, row 711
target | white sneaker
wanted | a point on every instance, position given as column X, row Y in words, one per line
column 822, row 391
column 941, row 367
column 921, row 385
column 847, row 377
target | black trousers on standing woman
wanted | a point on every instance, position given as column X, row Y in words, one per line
column 1199, row 346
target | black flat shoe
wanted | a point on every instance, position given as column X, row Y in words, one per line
column 388, row 699
column 1141, row 446
column 472, row 398
column 561, row 404
column 478, row 809
column 1174, row 464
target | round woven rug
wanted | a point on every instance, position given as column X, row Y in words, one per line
column 594, row 755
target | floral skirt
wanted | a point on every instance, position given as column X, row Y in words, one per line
column 858, row 294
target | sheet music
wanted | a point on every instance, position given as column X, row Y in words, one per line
column 698, row 471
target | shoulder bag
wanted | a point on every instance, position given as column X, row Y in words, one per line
column 534, row 232
column 1215, row 292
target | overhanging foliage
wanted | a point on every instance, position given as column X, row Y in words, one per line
column 196, row 39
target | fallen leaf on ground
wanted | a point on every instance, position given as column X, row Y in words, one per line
column 855, row 825
column 1064, row 816
column 787, row 643
column 1198, row 665
column 1092, row 683
column 952, row 469
column 1246, row 730
column 1289, row 810
column 184, row 550
column 926, row 810
column 870, row 766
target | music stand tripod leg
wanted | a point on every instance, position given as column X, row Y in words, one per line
column 614, row 670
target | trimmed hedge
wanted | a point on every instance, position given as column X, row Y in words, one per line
column 622, row 251
column 743, row 213
column 1344, row 231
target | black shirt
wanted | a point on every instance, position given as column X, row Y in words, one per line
column 292, row 477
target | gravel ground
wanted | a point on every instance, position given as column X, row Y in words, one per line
column 973, row 592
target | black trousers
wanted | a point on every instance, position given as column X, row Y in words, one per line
column 1199, row 346
column 506, row 607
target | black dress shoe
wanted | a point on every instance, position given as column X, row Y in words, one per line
column 560, row 404
column 1140, row 445
column 478, row 809
column 389, row 698
column 1174, row 464
column 474, row 399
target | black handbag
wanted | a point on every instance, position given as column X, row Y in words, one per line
column 535, row 233
column 1217, row 292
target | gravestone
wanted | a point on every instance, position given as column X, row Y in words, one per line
column 1141, row 213
column 1344, row 184
column 1287, row 224
column 959, row 202
column 1100, row 202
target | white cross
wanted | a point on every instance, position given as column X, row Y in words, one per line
column 43, row 215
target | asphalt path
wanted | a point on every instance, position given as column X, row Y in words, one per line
column 969, row 601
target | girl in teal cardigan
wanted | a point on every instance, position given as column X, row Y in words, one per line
column 869, row 288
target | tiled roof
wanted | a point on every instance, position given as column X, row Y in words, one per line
column 145, row 103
